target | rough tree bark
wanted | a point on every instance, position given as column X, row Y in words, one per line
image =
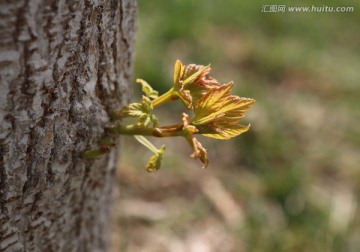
column 64, row 65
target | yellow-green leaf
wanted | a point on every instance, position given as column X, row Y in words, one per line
column 209, row 106
column 154, row 162
column 179, row 70
column 225, row 133
column 147, row 89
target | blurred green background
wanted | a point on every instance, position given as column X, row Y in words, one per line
column 292, row 183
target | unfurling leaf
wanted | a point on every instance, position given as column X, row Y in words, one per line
column 147, row 89
column 225, row 132
column 191, row 82
column 141, row 110
column 217, row 113
column 154, row 162
column 179, row 71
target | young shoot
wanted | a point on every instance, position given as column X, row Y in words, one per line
column 217, row 114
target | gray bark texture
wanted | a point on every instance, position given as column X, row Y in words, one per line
column 64, row 65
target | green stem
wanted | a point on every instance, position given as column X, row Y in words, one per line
column 164, row 98
column 170, row 131
column 133, row 129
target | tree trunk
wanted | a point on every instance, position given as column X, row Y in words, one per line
column 64, row 65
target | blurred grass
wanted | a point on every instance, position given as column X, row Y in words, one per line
column 294, row 177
